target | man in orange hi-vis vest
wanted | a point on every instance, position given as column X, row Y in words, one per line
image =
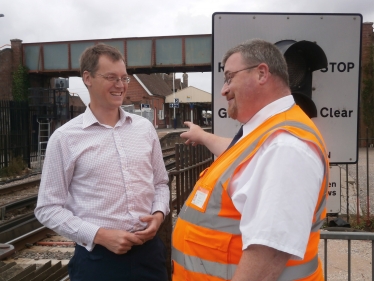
column 255, row 213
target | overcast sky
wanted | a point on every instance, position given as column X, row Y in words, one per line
column 65, row 20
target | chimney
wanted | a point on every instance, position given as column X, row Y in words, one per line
column 185, row 80
column 16, row 45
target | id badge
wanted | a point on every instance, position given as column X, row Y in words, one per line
column 201, row 198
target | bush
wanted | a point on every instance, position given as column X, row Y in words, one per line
column 15, row 168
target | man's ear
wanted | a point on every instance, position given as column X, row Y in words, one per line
column 264, row 73
column 87, row 78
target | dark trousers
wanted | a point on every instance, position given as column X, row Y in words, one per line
column 142, row 263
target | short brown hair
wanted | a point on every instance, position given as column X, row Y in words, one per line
column 258, row 51
column 90, row 57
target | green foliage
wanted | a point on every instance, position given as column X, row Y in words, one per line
column 364, row 223
column 20, row 83
column 367, row 94
column 15, row 168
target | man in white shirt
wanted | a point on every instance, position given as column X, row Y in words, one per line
column 104, row 183
column 275, row 177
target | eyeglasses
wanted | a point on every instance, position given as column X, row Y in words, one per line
column 112, row 78
column 230, row 75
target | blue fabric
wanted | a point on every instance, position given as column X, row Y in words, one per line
column 142, row 263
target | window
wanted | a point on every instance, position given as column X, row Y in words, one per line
column 161, row 114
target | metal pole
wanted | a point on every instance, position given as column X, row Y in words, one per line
column 358, row 196
column 347, row 186
column 372, row 260
column 349, row 260
column 325, row 258
column 174, row 93
column 367, row 174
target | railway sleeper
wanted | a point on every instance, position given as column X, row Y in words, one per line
column 47, row 272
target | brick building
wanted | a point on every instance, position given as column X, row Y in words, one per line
column 10, row 59
column 367, row 44
column 152, row 89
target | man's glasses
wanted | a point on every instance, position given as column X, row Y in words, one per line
column 112, row 78
column 230, row 75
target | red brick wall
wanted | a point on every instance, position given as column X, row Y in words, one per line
column 6, row 74
column 10, row 59
column 137, row 95
column 367, row 42
column 16, row 53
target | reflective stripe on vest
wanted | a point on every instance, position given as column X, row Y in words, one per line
column 210, row 219
column 204, row 266
column 227, row 271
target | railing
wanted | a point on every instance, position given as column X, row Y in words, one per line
column 190, row 161
column 19, row 131
column 349, row 236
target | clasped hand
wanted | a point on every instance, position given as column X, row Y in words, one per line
column 121, row 241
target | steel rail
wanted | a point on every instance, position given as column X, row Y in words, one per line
column 28, row 201
column 15, row 187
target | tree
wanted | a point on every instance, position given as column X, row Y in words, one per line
column 20, row 83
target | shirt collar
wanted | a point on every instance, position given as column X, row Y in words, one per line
column 268, row 111
column 90, row 119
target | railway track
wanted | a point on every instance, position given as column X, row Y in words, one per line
column 44, row 256
column 19, row 186
column 28, row 250
column 15, row 204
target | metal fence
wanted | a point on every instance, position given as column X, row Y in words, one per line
column 14, row 128
column 358, row 185
column 190, row 162
column 19, row 129
column 347, row 274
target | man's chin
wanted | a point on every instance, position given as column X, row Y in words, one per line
column 232, row 114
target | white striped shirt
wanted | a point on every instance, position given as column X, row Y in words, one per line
column 95, row 175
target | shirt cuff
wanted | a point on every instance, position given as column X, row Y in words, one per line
column 86, row 235
column 159, row 206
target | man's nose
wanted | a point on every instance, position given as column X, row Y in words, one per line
column 119, row 84
column 225, row 89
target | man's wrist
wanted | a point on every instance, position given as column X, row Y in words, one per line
column 162, row 216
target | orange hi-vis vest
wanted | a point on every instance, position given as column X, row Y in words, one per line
column 207, row 243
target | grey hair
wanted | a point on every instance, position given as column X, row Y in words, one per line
column 258, row 51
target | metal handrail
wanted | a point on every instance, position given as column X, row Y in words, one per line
column 349, row 236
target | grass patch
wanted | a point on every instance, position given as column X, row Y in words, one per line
column 17, row 167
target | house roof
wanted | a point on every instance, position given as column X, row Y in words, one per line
column 190, row 94
column 153, row 84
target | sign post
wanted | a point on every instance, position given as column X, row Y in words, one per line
column 143, row 105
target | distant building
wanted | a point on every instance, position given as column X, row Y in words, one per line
column 192, row 103
column 151, row 89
